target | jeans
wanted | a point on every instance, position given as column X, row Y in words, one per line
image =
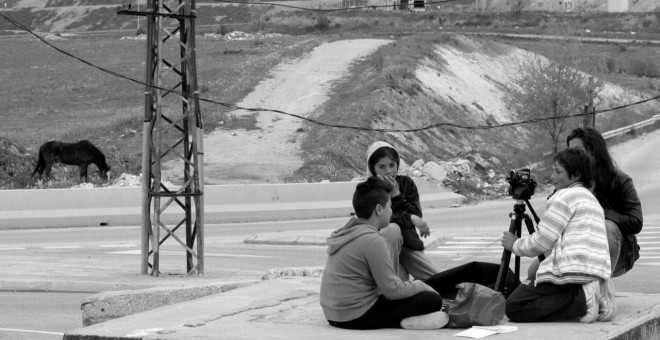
column 405, row 260
column 614, row 240
column 483, row 273
column 546, row 302
column 389, row 313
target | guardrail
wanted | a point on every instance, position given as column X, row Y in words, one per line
column 626, row 129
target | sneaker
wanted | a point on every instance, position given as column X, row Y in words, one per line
column 607, row 307
column 592, row 293
column 435, row 320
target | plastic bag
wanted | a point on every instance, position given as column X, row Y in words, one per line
column 475, row 305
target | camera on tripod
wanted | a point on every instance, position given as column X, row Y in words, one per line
column 521, row 188
column 521, row 184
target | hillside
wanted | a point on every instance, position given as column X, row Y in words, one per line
column 416, row 80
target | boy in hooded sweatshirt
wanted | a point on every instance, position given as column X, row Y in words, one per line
column 360, row 288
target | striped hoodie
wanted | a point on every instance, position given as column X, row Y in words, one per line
column 572, row 237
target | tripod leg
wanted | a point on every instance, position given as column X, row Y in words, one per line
column 514, row 228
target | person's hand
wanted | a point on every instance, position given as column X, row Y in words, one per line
column 420, row 224
column 395, row 186
column 532, row 269
column 508, row 239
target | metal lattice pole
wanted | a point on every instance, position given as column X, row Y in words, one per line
column 172, row 133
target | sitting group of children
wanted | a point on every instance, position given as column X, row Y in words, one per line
column 366, row 281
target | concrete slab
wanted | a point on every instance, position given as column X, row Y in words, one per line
column 288, row 307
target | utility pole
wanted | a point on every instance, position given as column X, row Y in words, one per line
column 589, row 119
column 172, row 131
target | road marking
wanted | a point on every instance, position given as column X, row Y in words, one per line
column 648, row 263
column 12, row 248
column 118, row 245
column 62, row 247
column 440, row 252
column 177, row 253
column 29, row 331
column 472, row 242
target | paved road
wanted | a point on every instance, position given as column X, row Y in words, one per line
column 465, row 234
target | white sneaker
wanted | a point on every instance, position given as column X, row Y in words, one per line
column 435, row 320
column 607, row 307
column 592, row 293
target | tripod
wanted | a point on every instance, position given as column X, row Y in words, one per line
column 517, row 216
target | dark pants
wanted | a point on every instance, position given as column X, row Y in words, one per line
column 483, row 273
column 546, row 302
column 389, row 313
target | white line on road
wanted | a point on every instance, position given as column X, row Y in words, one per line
column 440, row 252
column 118, row 245
column 12, row 248
column 28, row 331
column 62, row 247
column 177, row 253
column 461, row 247
column 474, row 238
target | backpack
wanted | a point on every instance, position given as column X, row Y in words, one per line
column 475, row 305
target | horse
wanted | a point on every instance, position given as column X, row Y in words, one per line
column 81, row 153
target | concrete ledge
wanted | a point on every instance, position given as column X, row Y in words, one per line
column 116, row 304
column 288, row 307
column 222, row 204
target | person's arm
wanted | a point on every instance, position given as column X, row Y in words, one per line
column 548, row 231
column 406, row 203
column 382, row 269
column 627, row 214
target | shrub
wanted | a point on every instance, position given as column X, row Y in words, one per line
column 377, row 61
column 610, row 64
column 322, row 23
column 644, row 68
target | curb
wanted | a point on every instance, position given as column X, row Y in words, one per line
column 116, row 304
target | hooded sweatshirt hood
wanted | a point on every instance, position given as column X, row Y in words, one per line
column 346, row 234
column 375, row 146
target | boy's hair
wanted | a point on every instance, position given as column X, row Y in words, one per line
column 577, row 163
column 370, row 193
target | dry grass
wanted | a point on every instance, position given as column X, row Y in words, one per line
column 49, row 96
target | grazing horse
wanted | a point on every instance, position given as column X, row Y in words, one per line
column 81, row 154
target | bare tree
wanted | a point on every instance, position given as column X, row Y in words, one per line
column 548, row 89
column 518, row 6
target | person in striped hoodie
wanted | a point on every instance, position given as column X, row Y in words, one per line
column 573, row 238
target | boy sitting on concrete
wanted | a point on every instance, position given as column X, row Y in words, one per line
column 359, row 287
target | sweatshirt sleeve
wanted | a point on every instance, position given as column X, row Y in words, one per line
column 406, row 203
column 549, row 230
column 380, row 265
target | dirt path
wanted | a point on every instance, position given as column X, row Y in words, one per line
column 271, row 152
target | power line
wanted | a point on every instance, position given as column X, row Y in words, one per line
column 314, row 121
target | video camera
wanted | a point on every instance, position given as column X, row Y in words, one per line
column 521, row 184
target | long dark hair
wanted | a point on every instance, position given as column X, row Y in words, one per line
column 605, row 169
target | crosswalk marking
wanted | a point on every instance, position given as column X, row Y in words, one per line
column 488, row 244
